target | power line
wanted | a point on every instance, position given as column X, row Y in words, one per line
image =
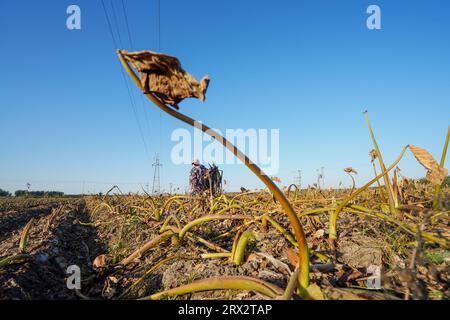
column 133, row 105
column 127, row 25
column 144, row 109
column 109, row 26
column 159, row 25
column 116, row 23
column 159, row 50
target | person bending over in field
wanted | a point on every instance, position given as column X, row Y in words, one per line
column 197, row 177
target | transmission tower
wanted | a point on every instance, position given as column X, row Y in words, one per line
column 298, row 179
column 156, row 183
column 320, row 178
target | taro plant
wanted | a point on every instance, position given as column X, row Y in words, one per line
column 303, row 252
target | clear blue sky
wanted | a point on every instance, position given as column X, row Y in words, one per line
column 308, row 68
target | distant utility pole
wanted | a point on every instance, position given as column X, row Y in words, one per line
column 156, row 188
column 82, row 187
column 323, row 177
column 170, row 190
column 318, row 179
column 298, row 179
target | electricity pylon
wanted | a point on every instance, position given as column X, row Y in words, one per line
column 156, row 188
column 298, row 179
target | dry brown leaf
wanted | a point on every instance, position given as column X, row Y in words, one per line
column 435, row 173
column 373, row 155
column 292, row 256
column 163, row 75
column 101, row 261
column 437, row 176
column 350, row 170
column 319, row 234
column 276, row 179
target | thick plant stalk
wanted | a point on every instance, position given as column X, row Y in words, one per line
column 391, row 197
column 24, row 237
column 222, row 283
column 206, row 243
column 288, row 193
column 15, row 258
column 334, row 215
column 437, row 189
column 199, row 221
column 291, row 286
column 378, row 183
column 149, row 271
column 167, row 221
column 239, row 252
column 278, row 194
column 151, row 244
column 215, row 255
column 353, row 183
column 277, row 226
column 412, row 230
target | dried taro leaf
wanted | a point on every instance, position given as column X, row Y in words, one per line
column 435, row 173
column 350, row 170
column 163, row 76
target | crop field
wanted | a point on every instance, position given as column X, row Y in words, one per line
column 282, row 89
column 387, row 239
column 234, row 246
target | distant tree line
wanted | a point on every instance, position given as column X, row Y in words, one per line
column 21, row 193
column 4, row 193
column 445, row 183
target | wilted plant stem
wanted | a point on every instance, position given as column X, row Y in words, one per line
column 221, row 283
column 24, row 237
column 353, row 183
column 303, row 252
column 201, row 220
column 151, row 244
column 334, row 215
column 378, row 183
column 239, row 253
column 392, row 198
column 437, row 189
column 291, row 286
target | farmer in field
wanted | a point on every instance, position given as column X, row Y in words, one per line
column 197, row 177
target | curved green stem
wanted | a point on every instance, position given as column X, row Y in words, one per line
column 353, row 183
column 201, row 220
column 392, row 198
column 24, row 237
column 303, row 253
column 215, row 255
column 147, row 246
column 238, row 254
column 222, row 283
column 291, row 286
column 437, row 189
column 334, row 215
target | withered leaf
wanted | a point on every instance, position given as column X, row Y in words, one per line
column 163, row 75
column 373, row 155
column 435, row 173
column 101, row 261
column 276, row 179
column 350, row 170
